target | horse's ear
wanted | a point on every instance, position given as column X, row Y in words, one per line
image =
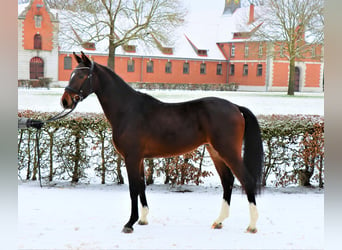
column 85, row 59
column 78, row 59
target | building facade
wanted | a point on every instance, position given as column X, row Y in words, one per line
column 37, row 41
column 196, row 58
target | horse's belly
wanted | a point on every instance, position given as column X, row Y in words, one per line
column 173, row 146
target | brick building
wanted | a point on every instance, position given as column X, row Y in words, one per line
column 211, row 48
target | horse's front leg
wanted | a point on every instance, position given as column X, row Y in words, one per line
column 132, row 166
column 142, row 195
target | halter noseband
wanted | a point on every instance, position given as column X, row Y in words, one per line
column 79, row 93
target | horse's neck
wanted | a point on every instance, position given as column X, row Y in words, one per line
column 114, row 95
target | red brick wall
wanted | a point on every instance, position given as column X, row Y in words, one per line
column 159, row 75
column 312, row 75
column 280, row 74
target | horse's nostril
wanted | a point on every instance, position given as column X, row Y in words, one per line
column 64, row 103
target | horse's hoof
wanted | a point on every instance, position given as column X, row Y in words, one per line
column 251, row 230
column 142, row 223
column 127, row 230
column 217, row 225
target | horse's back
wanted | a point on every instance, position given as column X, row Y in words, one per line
column 175, row 128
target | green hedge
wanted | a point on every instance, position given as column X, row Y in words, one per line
column 78, row 146
column 294, row 149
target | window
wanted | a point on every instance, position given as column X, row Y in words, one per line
column 232, row 51
column 313, row 52
column 168, row 67
column 245, row 69
column 261, row 50
column 149, row 68
column 186, row 68
column 246, row 50
column 67, row 62
column 232, row 69
column 281, row 53
column 38, row 21
column 37, row 43
column 219, row 69
column 130, row 65
column 203, row 69
column 259, row 70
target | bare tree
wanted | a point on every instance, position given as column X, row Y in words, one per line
column 119, row 22
column 294, row 26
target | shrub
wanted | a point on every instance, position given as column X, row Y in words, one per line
column 290, row 142
column 81, row 144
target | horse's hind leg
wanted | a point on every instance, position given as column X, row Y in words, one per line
column 234, row 161
column 248, row 183
column 227, row 180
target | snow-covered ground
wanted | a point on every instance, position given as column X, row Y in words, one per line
column 260, row 102
column 91, row 216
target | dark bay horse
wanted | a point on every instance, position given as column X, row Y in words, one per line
column 144, row 127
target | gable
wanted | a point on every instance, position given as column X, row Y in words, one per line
column 37, row 20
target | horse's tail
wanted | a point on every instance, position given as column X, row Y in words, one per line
column 253, row 155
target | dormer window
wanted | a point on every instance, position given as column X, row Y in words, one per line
column 38, row 21
column 313, row 52
column 261, row 50
column 232, row 51
column 246, row 50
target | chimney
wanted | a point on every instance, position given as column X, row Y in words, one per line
column 251, row 13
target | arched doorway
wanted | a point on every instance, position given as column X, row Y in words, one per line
column 297, row 79
column 36, row 68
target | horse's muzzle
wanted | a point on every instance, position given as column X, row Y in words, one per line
column 67, row 101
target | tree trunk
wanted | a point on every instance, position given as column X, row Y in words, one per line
column 167, row 174
column 28, row 174
column 291, row 88
column 321, row 183
column 35, row 165
column 75, row 174
column 103, row 164
column 149, row 179
column 111, row 54
column 51, row 157
column 118, row 168
column 200, row 166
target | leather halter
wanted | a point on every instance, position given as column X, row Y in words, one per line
column 79, row 93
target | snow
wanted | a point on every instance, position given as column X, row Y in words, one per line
column 66, row 216
column 260, row 102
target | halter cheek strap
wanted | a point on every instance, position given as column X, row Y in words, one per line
column 79, row 93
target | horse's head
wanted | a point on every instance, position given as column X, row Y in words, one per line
column 80, row 83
